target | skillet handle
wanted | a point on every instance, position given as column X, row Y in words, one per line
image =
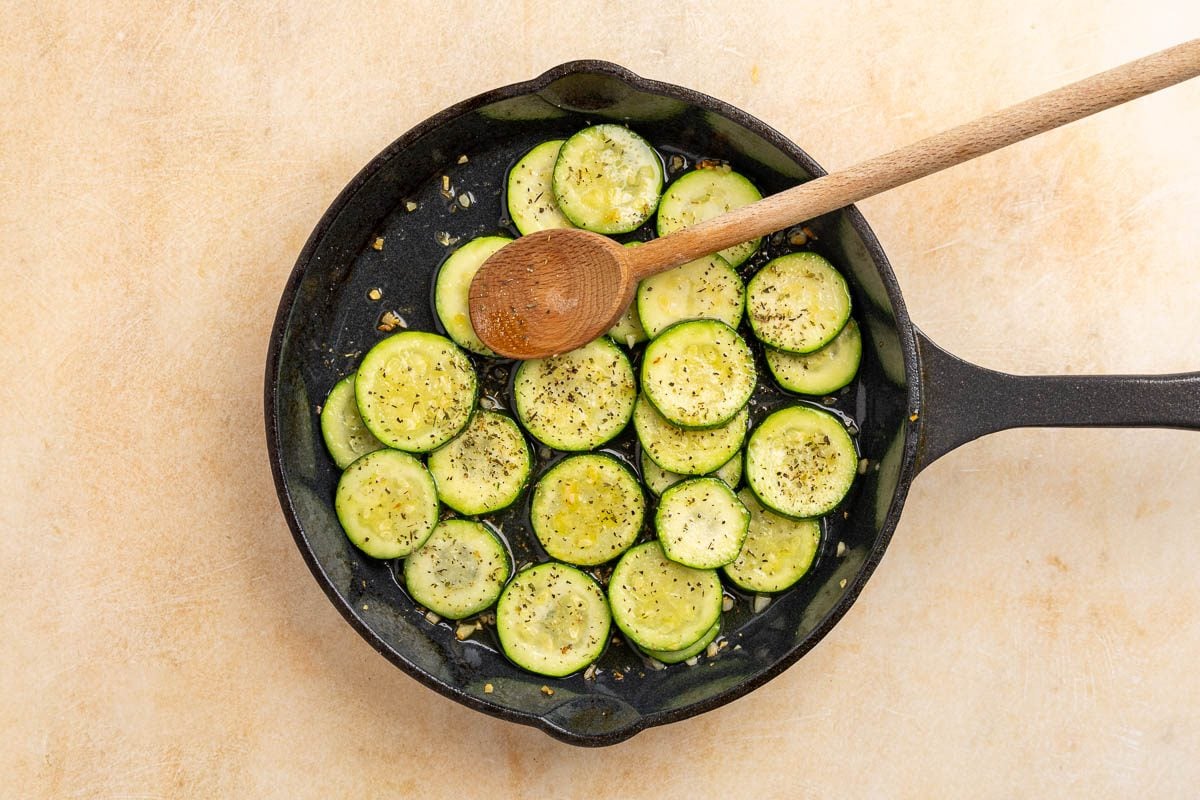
column 961, row 401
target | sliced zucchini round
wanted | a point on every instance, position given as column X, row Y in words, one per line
column 657, row 479
column 459, row 570
column 801, row 461
column 688, row 451
column 485, row 467
column 676, row 656
column 698, row 373
column 705, row 193
column 346, row 437
column 387, row 503
column 532, row 205
column 579, row 400
column 822, row 371
column 552, row 619
column 453, row 286
column 797, row 302
column 662, row 605
column 587, row 509
column 415, row 390
column 701, row 523
column 707, row 288
column 607, row 179
column 778, row 551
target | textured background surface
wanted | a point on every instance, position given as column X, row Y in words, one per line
column 1032, row 629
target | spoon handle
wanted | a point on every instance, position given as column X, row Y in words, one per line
column 954, row 146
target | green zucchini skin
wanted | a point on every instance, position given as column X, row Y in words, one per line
column 659, row 604
column 703, row 194
column 459, row 570
column 529, row 195
column 587, row 509
column 416, row 390
column 677, row 656
column 485, row 468
column 607, row 179
column 797, row 302
column 701, row 523
column 800, row 462
column 553, row 619
column 687, row 451
column 820, row 372
column 387, row 503
column 346, row 435
column 698, row 373
column 778, row 550
column 579, row 400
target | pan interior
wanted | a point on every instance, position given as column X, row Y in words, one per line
column 390, row 230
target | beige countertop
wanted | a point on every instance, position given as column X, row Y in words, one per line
column 1032, row 630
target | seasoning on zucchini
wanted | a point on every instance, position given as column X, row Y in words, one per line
column 579, row 400
column 822, row 371
column 797, row 302
column 662, row 605
column 657, row 479
column 778, row 551
column 532, row 205
column 587, row 509
column 453, row 285
column 701, row 523
column 342, row 428
column 703, row 194
column 459, row 570
column 707, row 288
column 607, row 179
column 387, row 503
column 485, row 467
column 800, row 461
column 415, row 390
column 688, row 451
column 552, row 619
column 676, row 656
column 698, row 373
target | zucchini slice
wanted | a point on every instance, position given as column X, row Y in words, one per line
column 579, row 400
column 607, row 179
column 485, row 467
column 705, row 193
column 822, row 371
column 777, row 552
column 346, row 436
column 415, row 390
column 662, row 605
column 800, row 462
column 532, row 205
column 658, row 480
column 676, row 656
column 706, row 288
column 587, row 509
column 453, row 286
column 459, row 570
column 688, row 451
column 698, row 373
column 552, row 619
column 387, row 503
column 701, row 523
column 797, row 302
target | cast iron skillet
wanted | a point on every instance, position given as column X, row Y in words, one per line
column 912, row 401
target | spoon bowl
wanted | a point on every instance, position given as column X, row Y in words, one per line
column 550, row 292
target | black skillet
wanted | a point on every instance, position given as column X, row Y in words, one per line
column 912, row 402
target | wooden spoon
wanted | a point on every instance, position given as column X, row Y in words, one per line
column 556, row 290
